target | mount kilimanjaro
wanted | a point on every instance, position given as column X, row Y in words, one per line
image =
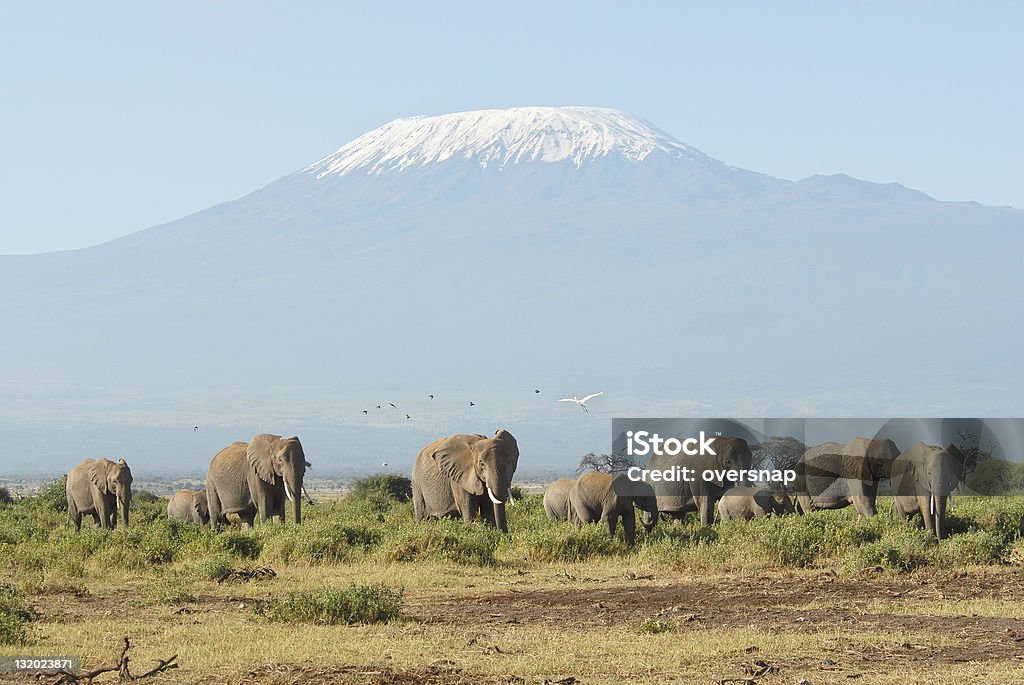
column 479, row 255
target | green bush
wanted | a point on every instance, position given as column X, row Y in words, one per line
column 15, row 615
column 398, row 488
column 146, row 497
column 358, row 604
column 473, row 544
column 52, row 496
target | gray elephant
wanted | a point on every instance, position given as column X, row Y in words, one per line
column 925, row 478
column 834, row 476
column 751, row 503
column 255, row 478
column 678, row 496
column 607, row 497
column 97, row 487
column 465, row 476
column 556, row 499
column 189, row 505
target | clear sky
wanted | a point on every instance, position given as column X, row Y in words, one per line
column 117, row 116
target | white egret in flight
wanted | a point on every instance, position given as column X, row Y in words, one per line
column 581, row 402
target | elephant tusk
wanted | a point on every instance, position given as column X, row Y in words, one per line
column 491, row 495
column 931, row 504
column 288, row 492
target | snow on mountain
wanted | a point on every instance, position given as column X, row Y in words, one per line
column 494, row 138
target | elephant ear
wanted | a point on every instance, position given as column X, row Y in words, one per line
column 858, row 467
column 260, row 455
column 512, row 447
column 98, row 474
column 455, row 461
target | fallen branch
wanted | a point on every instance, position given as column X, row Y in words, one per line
column 121, row 667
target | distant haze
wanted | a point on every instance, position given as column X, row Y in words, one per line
column 481, row 256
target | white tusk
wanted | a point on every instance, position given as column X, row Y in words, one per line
column 288, row 492
column 931, row 504
column 491, row 495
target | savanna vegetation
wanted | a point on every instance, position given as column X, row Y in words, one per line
column 359, row 588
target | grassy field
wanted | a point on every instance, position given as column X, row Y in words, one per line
column 361, row 594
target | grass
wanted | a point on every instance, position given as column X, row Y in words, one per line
column 375, row 524
column 358, row 563
column 15, row 615
column 357, row 604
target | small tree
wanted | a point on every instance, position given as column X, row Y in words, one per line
column 605, row 463
column 778, row 452
column 970, row 445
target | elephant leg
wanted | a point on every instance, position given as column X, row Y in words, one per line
column 213, row 502
column 248, row 518
column 419, row 505
column 804, row 503
column 96, row 519
column 610, row 522
column 706, row 507
column 629, row 526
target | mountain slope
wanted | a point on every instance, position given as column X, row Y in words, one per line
column 473, row 255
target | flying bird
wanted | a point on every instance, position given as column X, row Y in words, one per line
column 472, row 404
column 364, row 411
column 407, row 416
column 581, row 402
column 384, row 464
column 430, row 396
column 378, row 406
column 393, row 405
column 537, row 392
column 195, row 429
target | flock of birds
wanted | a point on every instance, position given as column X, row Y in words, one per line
column 581, row 402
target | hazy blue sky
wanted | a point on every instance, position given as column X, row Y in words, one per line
column 119, row 116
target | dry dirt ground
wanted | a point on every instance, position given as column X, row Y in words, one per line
column 955, row 624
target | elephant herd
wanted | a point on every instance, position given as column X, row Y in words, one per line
column 470, row 476
column 248, row 479
column 827, row 476
column 458, row 476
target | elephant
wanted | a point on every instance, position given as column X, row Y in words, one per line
column 834, row 476
column 925, row 478
column 465, row 475
column 751, row 503
column 607, row 497
column 189, row 505
column 676, row 497
column 556, row 499
column 255, row 478
column 97, row 487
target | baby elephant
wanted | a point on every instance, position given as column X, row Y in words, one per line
column 189, row 505
column 609, row 496
column 753, row 503
column 556, row 499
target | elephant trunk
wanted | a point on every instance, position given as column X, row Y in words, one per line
column 939, row 515
column 124, row 510
column 500, row 522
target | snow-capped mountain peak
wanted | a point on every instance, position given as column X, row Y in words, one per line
column 494, row 138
